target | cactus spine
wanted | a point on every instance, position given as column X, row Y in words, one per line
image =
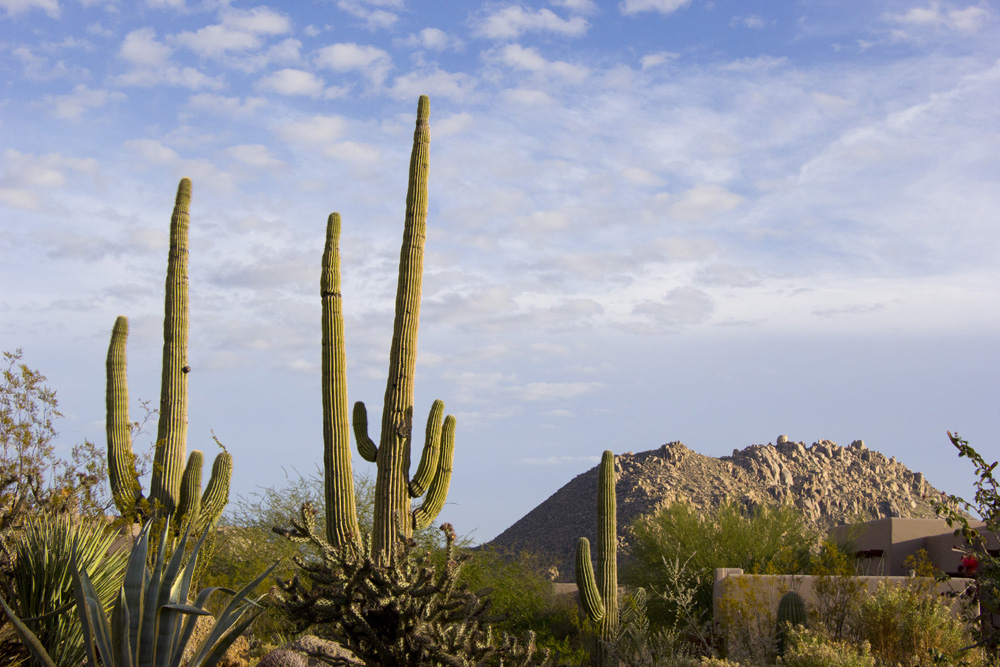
column 599, row 595
column 394, row 487
column 174, row 488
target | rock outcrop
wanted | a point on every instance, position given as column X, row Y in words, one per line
column 831, row 485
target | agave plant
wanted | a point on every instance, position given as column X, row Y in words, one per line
column 151, row 622
column 43, row 578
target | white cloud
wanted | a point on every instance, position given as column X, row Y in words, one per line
column 255, row 155
column 213, row 41
column 152, row 151
column 151, row 65
column 433, row 39
column 15, row 7
column 515, row 55
column 651, row 60
column 579, row 6
column 73, row 105
column 25, row 173
column 753, row 21
column 435, row 83
column 292, row 82
column 528, row 97
column 942, row 15
column 512, row 21
column 219, row 104
column 703, row 201
column 259, row 21
column 755, row 64
column 371, row 12
column 681, row 306
column 662, row 6
column 142, row 48
column 373, row 62
column 316, row 130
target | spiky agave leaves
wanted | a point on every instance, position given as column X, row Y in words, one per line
column 151, row 621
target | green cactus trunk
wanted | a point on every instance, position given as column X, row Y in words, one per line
column 341, row 515
column 392, row 498
column 174, row 487
column 125, row 486
column 599, row 595
column 171, row 432
column 393, row 518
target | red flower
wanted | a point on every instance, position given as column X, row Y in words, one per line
column 969, row 563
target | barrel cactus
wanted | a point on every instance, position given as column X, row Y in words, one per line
column 791, row 611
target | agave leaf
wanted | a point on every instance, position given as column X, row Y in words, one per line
column 54, row 612
column 102, row 634
column 88, row 621
column 147, row 635
column 224, row 632
column 189, row 623
column 136, row 580
column 27, row 637
column 120, row 631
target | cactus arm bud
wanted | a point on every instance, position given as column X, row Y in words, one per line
column 366, row 446
column 590, row 597
column 341, row 514
column 125, row 487
column 216, row 494
column 438, row 491
column 189, row 504
column 171, row 431
column 432, row 446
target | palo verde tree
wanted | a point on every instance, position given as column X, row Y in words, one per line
column 394, row 487
column 175, row 489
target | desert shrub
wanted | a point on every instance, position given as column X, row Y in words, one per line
column 839, row 591
column 769, row 539
column 986, row 566
column 747, row 619
column 523, row 600
column 910, row 625
column 637, row 644
column 810, row 648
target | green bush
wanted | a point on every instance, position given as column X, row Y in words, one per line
column 905, row 624
column 814, row 649
column 522, row 599
column 769, row 539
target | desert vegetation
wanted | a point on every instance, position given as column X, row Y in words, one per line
column 338, row 567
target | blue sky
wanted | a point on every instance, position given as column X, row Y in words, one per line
column 650, row 220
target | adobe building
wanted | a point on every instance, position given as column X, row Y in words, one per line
column 882, row 546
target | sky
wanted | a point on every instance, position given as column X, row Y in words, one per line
column 650, row 220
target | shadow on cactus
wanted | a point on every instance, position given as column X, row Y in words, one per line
column 407, row 613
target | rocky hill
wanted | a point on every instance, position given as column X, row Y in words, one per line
column 830, row 484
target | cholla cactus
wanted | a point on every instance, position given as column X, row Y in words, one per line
column 175, row 489
column 410, row 612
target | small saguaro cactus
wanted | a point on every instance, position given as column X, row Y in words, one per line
column 393, row 517
column 791, row 611
column 175, row 491
column 599, row 596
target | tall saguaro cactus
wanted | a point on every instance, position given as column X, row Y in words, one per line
column 600, row 596
column 394, row 487
column 174, row 488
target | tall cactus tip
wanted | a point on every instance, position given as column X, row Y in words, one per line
column 423, row 109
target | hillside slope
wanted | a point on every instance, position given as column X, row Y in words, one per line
column 830, row 484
